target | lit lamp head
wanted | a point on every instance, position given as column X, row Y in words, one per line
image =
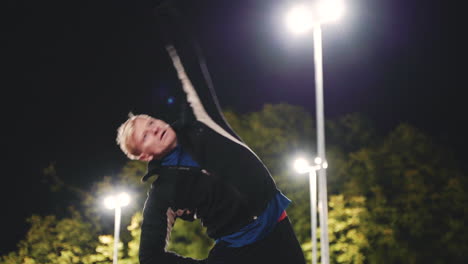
column 302, row 18
column 302, row 166
column 299, row 19
column 330, row 10
column 114, row 201
column 318, row 160
column 319, row 163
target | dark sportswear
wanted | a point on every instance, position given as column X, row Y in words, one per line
column 227, row 188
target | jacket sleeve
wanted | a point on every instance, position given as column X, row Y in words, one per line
column 158, row 220
column 191, row 70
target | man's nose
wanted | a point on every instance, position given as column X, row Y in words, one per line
column 155, row 129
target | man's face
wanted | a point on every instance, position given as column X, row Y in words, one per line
column 153, row 138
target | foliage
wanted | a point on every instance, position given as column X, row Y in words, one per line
column 347, row 226
column 134, row 244
column 348, row 223
column 50, row 240
column 415, row 195
column 399, row 198
column 409, row 183
column 189, row 239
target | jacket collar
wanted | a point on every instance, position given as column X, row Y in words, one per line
column 153, row 168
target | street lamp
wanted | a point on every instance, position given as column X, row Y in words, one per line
column 302, row 166
column 116, row 202
column 301, row 19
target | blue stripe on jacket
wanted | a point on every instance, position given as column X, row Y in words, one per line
column 250, row 233
column 262, row 226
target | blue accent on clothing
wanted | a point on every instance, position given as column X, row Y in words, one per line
column 250, row 233
column 178, row 157
column 262, row 226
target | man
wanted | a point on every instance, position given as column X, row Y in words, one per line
column 205, row 171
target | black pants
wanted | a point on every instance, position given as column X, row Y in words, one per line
column 280, row 246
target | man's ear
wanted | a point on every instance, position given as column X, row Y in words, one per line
column 145, row 157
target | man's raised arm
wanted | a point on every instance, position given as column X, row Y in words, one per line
column 190, row 67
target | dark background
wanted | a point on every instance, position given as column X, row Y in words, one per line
column 73, row 70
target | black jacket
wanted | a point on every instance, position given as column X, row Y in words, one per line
column 234, row 186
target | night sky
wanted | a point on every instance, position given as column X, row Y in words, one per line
column 73, row 70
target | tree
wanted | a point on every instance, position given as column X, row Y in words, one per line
column 410, row 185
column 348, row 224
column 279, row 132
column 50, row 240
column 190, row 239
column 394, row 199
column 274, row 131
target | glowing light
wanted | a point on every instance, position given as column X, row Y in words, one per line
column 302, row 18
column 301, row 165
column 111, row 202
column 123, row 199
column 325, row 165
column 170, row 100
column 318, row 160
column 299, row 19
column 330, row 10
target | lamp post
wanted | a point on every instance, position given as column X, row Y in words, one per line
column 302, row 166
column 116, row 202
column 302, row 19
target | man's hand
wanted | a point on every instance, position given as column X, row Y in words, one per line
column 171, row 215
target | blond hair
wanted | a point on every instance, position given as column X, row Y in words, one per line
column 125, row 136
